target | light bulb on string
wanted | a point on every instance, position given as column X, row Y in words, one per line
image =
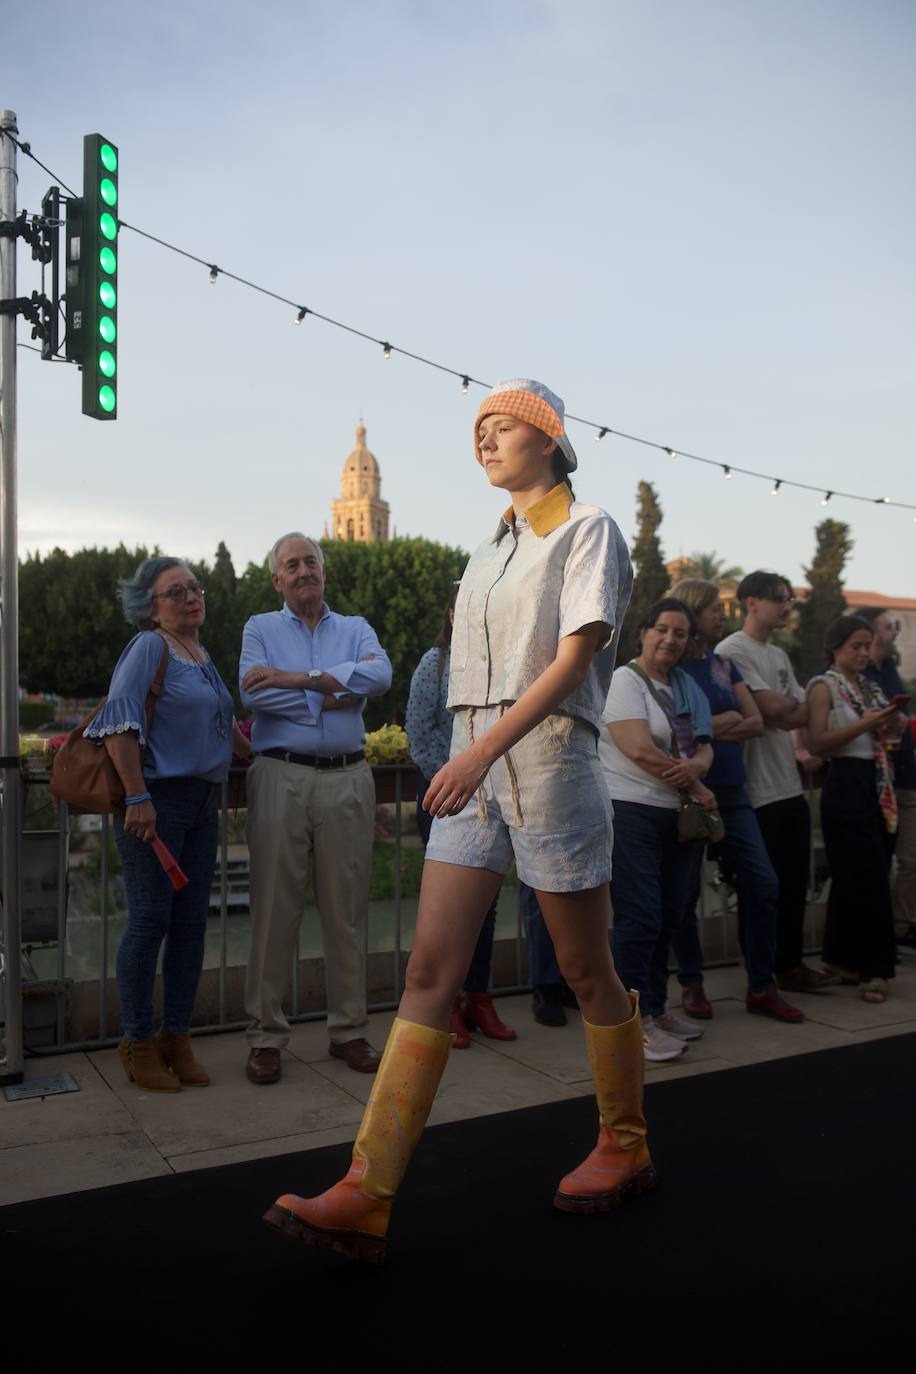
column 726, row 472
column 465, row 385
column 214, row 273
column 826, row 497
column 671, row 452
column 776, row 485
column 386, row 351
column 303, row 311
column 600, row 435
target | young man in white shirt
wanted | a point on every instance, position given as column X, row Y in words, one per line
column 773, row 782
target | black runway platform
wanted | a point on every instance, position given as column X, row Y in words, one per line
column 782, row 1235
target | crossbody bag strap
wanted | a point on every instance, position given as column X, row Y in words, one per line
column 675, row 751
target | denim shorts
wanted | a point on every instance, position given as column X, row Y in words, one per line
column 544, row 805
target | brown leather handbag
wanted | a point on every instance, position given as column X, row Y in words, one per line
column 83, row 774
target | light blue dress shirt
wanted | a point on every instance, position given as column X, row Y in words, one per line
column 293, row 719
column 191, row 734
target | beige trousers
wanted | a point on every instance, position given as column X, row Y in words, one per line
column 905, row 855
column 299, row 815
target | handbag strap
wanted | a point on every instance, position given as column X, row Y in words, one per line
column 675, row 751
column 155, row 689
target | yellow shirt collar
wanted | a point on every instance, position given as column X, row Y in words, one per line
column 548, row 514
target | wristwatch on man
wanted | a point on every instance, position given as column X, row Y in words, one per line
column 313, row 674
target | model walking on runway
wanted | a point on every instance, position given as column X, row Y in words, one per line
column 533, row 647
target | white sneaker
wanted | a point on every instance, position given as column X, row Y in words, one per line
column 678, row 1026
column 658, row 1045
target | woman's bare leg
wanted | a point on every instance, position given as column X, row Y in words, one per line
column 578, row 923
column 454, row 901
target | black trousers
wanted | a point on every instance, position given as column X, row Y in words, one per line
column 860, row 919
column 786, row 829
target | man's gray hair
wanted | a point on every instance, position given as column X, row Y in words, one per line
column 293, row 534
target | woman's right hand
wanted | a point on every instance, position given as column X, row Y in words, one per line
column 874, row 719
column 140, row 820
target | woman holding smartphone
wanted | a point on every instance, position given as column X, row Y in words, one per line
column 848, row 723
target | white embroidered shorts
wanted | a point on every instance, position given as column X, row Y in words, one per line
column 554, row 818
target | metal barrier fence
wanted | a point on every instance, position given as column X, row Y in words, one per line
column 48, row 868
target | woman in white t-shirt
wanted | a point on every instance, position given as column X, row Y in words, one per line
column 532, row 652
column 848, row 723
column 651, row 700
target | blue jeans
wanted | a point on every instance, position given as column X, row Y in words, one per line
column 542, row 960
column 186, row 821
column 652, row 876
column 758, row 896
column 478, row 979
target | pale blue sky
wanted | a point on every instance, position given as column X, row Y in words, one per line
column 693, row 221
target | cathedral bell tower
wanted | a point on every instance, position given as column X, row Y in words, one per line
column 359, row 513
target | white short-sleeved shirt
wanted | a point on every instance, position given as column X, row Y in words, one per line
column 630, row 699
column 772, row 773
column 841, row 714
column 560, row 566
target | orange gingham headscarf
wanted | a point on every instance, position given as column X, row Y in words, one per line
column 534, row 403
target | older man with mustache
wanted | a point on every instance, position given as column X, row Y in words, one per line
column 306, row 673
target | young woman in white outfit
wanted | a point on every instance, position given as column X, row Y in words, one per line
column 533, row 649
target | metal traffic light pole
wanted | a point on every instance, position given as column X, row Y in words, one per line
column 11, row 1063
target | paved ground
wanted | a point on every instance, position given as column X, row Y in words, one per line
column 111, row 1131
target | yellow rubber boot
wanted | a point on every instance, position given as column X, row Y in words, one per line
column 353, row 1215
column 619, row 1166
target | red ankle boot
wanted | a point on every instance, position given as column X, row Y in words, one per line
column 480, row 1014
column 456, row 1027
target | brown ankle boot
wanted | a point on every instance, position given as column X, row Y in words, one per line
column 178, row 1053
column 143, row 1065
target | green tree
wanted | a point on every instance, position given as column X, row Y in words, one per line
column 71, row 627
column 825, row 601
column 711, row 568
column 222, row 630
column 651, row 580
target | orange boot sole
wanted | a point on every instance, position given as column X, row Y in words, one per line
column 342, row 1219
column 586, row 1190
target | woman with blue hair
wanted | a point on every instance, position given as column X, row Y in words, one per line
column 171, row 772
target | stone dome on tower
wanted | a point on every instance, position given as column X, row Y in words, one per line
column 359, row 513
column 361, row 461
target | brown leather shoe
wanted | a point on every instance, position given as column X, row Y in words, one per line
column 358, row 1054
column 263, row 1066
column 805, row 979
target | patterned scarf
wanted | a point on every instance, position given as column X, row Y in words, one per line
column 859, row 699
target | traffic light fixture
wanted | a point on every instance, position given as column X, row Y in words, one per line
column 92, row 278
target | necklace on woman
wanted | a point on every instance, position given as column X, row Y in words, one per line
column 190, row 650
column 205, row 664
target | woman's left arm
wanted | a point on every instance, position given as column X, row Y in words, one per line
column 454, row 785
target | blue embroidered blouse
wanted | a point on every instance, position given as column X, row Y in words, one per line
column 428, row 720
column 191, row 734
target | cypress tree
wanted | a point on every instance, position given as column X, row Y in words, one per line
column 651, row 580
